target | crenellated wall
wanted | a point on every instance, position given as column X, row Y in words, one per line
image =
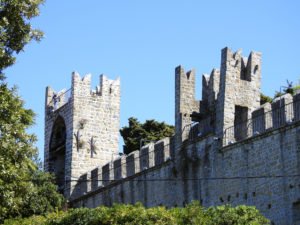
column 185, row 101
column 227, row 148
column 261, row 170
column 269, row 116
column 210, row 91
column 151, row 157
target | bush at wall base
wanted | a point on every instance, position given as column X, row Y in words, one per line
column 137, row 214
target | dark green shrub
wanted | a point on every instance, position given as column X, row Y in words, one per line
column 225, row 214
column 192, row 214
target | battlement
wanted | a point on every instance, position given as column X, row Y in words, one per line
column 246, row 68
column 210, row 90
column 106, row 87
column 150, row 156
column 81, row 87
column 227, row 148
column 185, row 90
column 284, row 110
column 54, row 100
column 229, row 95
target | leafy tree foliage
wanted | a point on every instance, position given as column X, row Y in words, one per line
column 136, row 132
column 15, row 28
column 192, row 214
column 24, row 190
column 264, row 99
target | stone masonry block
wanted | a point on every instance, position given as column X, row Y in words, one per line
column 282, row 110
column 162, row 151
column 147, row 156
column 132, row 162
column 94, row 178
column 262, row 119
column 107, row 173
column 120, row 168
column 296, row 100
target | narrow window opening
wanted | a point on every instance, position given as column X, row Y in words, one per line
column 240, row 122
column 255, row 69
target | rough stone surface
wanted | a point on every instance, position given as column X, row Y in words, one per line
column 92, row 120
column 238, row 153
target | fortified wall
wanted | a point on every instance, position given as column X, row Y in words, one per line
column 227, row 149
column 81, row 129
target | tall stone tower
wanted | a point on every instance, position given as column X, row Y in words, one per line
column 229, row 96
column 185, row 102
column 81, row 129
column 239, row 91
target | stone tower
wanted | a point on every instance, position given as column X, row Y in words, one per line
column 81, row 129
column 229, row 96
column 239, row 91
column 185, row 102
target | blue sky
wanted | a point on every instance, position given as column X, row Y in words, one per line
column 143, row 41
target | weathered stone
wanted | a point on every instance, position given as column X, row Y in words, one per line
column 250, row 155
column 89, row 123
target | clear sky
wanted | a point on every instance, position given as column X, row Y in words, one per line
column 143, row 41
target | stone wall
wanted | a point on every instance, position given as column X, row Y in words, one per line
column 92, row 120
column 140, row 166
column 53, row 112
column 238, row 151
column 261, row 171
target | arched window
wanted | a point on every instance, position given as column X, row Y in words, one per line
column 57, row 152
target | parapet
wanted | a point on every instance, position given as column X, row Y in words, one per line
column 185, row 91
column 107, row 87
column 81, row 87
column 147, row 156
column 120, row 168
column 132, row 163
column 150, row 156
column 246, row 68
column 261, row 119
column 210, row 90
column 283, row 111
column 54, row 100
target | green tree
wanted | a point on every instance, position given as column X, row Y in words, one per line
column 136, row 132
column 15, row 28
column 264, row 99
column 24, row 190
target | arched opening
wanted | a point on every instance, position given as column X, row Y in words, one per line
column 57, row 152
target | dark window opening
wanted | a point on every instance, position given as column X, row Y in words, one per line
column 296, row 213
column 57, row 152
column 240, row 122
